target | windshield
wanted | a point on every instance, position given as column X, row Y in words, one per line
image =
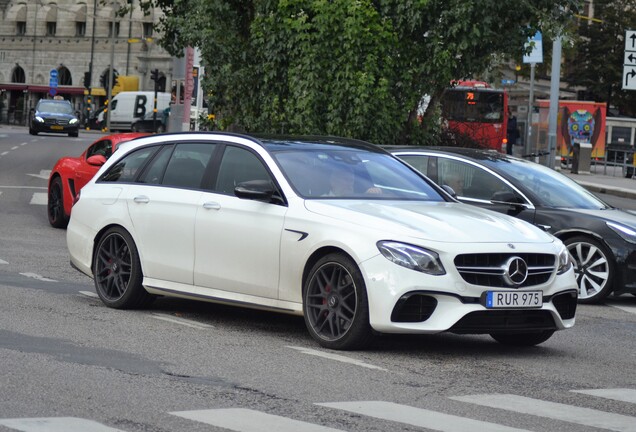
column 474, row 105
column 552, row 188
column 335, row 172
column 55, row 107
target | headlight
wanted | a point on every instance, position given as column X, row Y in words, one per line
column 623, row 231
column 565, row 260
column 412, row 257
column 39, row 119
column 73, row 121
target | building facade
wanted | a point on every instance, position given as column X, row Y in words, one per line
column 66, row 48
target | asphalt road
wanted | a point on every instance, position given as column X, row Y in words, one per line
column 67, row 363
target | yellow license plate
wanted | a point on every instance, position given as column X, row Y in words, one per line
column 57, row 127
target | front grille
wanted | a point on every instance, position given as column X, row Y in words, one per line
column 489, row 269
column 521, row 321
column 53, row 121
column 565, row 304
column 413, row 307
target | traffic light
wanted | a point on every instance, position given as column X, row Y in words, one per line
column 154, row 75
column 87, row 79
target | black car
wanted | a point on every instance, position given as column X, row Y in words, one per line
column 149, row 123
column 55, row 116
column 601, row 239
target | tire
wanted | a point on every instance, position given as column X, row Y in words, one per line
column 73, row 134
column 522, row 339
column 594, row 268
column 55, row 204
column 117, row 271
column 32, row 132
column 335, row 304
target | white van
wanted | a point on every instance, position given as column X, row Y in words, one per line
column 129, row 105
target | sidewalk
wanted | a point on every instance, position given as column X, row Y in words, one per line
column 611, row 185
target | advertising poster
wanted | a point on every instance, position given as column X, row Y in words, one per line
column 577, row 121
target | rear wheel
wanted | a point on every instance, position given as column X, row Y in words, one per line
column 55, row 204
column 593, row 266
column 117, row 271
column 522, row 339
column 335, row 304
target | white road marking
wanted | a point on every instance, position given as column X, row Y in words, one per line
column 38, row 277
column 56, row 424
column 39, row 198
column 246, row 420
column 4, row 153
column 14, row 147
column 418, row 417
column 620, row 394
column 181, row 321
column 336, row 357
column 23, row 187
column 553, row 410
column 89, row 294
column 3, row 261
column 44, row 174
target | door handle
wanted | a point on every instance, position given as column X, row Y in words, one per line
column 211, row 205
column 141, row 199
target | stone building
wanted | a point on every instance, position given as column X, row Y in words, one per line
column 65, row 47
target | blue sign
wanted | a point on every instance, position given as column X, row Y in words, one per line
column 53, row 74
column 52, row 91
column 507, row 82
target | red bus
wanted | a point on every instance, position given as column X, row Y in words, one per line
column 475, row 109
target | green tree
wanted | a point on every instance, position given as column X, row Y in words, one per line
column 355, row 68
column 596, row 61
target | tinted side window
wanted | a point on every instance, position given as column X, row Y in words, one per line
column 127, row 169
column 103, row 147
column 153, row 174
column 187, row 165
column 420, row 162
column 237, row 166
column 469, row 181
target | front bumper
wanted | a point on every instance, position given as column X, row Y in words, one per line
column 54, row 128
column 407, row 301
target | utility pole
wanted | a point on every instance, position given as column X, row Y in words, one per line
column 555, row 81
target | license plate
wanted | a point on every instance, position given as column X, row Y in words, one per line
column 57, row 127
column 514, row 299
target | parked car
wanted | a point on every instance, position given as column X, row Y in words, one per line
column 602, row 239
column 337, row 231
column 71, row 173
column 54, row 116
column 151, row 124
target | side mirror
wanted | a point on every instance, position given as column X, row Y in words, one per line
column 96, row 160
column 260, row 190
column 449, row 190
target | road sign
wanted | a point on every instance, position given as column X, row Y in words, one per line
column 536, row 55
column 629, row 61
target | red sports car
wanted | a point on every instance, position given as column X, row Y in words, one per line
column 70, row 174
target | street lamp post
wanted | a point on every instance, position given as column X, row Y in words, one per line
column 112, row 60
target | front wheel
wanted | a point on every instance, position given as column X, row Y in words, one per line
column 55, row 204
column 117, row 271
column 593, row 267
column 335, row 304
column 523, row 339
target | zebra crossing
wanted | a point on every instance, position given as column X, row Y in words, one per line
column 248, row 420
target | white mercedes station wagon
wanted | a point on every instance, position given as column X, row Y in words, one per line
column 338, row 231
